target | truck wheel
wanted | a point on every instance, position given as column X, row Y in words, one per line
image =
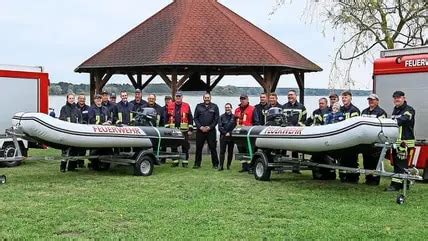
column 262, row 172
column 9, row 151
column 144, row 166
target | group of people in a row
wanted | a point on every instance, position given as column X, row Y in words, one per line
column 177, row 114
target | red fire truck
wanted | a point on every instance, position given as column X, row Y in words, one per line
column 24, row 89
column 406, row 70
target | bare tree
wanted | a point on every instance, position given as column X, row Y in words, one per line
column 367, row 25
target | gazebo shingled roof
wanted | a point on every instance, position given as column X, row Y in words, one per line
column 196, row 36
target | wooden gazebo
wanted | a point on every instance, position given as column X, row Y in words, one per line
column 192, row 38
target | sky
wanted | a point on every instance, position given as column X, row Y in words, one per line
column 60, row 35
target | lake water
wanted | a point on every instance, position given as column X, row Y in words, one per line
column 311, row 102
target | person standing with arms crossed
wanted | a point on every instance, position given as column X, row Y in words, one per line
column 226, row 125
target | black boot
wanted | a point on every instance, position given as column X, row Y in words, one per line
column 63, row 166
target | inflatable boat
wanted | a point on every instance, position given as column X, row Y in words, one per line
column 59, row 134
column 313, row 139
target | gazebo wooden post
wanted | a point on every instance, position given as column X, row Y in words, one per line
column 139, row 81
column 300, row 78
column 174, row 83
column 208, row 90
column 92, row 87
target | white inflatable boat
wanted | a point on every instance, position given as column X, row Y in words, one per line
column 312, row 139
column 57, row 133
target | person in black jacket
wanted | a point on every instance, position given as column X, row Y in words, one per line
column 349, row 157
column 371, row 154
column 151, row 103
column 138, row 103
column 402, row 155
column 296, row 116
column 107, row 102
column 123, row 110
column 98, row 114
column 83, row 107
column 206, row 118
column 261, row 110
column 69, row 112
column 226, row 125
column 319, row 116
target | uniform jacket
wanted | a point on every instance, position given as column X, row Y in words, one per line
column 350, row 111
column 226, row 124
column 260, row 114
column 159, row 114
column 179, row 116
column 375, row 113
column 405, row 117
column 319, row 117
column 296, row 113
column 84, row 110
column 70, row 113
column 206, row 115
column 138, row 106
column 123, row 113
column 110, row 107
column 244, row 116
column 98, row 115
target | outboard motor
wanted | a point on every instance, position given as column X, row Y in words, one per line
column 275, row 117
column 146, row 117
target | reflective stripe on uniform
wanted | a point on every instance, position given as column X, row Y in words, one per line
column 408, row 114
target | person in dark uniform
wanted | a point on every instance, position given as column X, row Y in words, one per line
column 70, row 113
column 296, row 116
column 371, row 154
column 261, row 110
column 349, row 157
column 319, row 116
column 163, row 121
column 123, row 110
column 226, row 125
column 107, row 102
column 138, row 103
column 402, row 156
column 179, row 115
column 206, row 119
column 151, row 103
column 83, row 107
column 98, row 114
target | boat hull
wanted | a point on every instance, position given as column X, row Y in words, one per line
column 58, row 133
column 312, row 139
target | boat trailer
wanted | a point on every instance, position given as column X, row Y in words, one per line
column 142, row 160
column 263, row 162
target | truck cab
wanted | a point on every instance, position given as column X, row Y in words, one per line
column 23, row 89
column 406, row 70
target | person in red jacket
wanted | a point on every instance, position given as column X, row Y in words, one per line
column 179, row 115
column 244, row 117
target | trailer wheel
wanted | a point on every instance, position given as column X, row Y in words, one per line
column 262, row 172
column 401, row 199
column 144, row 166
column 9, row 151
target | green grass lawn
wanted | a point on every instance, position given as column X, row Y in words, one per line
column 39, row 202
